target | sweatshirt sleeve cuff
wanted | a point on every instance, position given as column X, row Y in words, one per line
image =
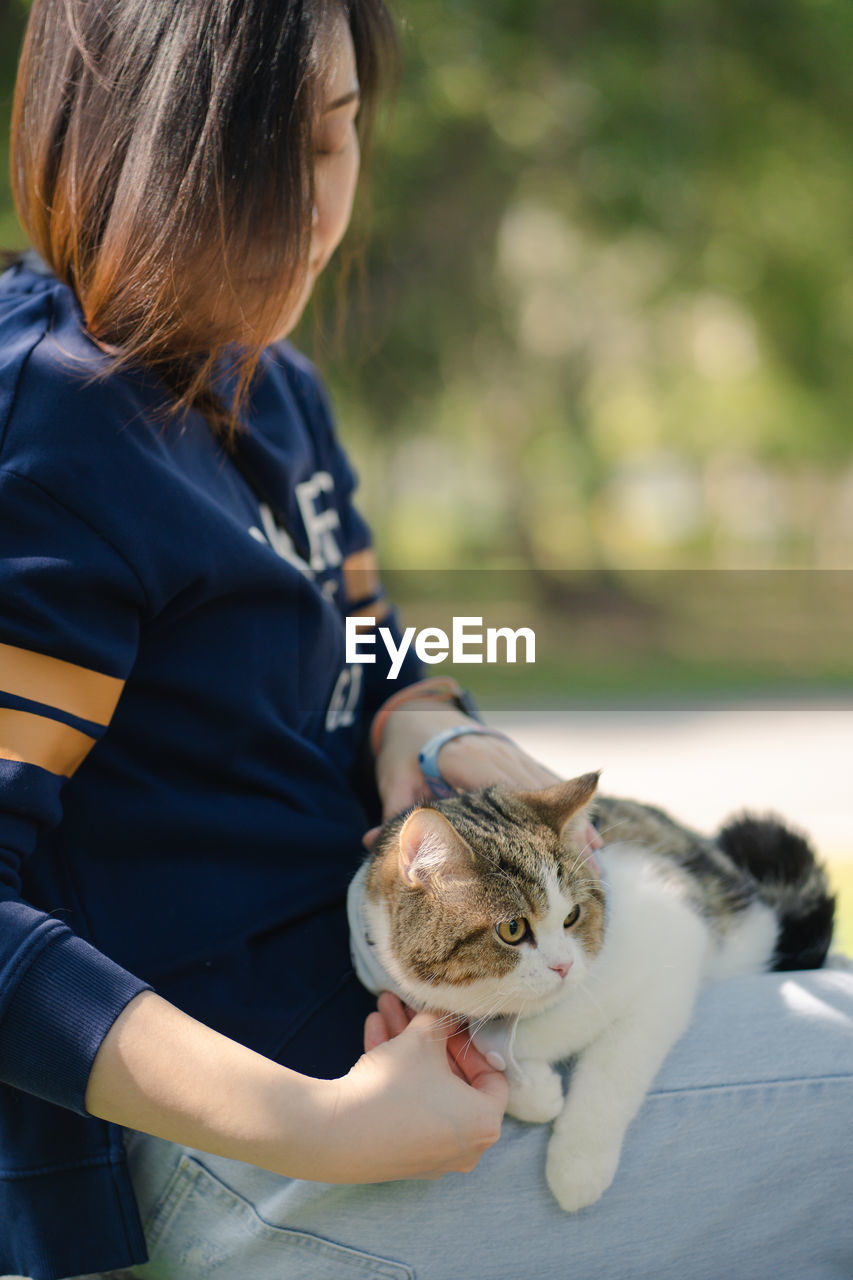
column 62, row 1007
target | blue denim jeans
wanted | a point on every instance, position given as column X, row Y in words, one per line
column 740, row 1164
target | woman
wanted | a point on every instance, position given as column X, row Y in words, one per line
column 183, row 745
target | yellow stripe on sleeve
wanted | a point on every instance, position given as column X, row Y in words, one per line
column 84, row 693
column 361, row 575
column 378, row 610
column 47, row 743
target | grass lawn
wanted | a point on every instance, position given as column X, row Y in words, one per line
column 841, row 875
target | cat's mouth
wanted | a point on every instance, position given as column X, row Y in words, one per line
column 536, row 1004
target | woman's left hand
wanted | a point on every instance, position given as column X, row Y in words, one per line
column 468, row 762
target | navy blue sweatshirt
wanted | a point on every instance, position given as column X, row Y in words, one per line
column 182, row 746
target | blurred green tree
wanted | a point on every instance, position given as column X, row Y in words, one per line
column 611, row 234
column 13, row 15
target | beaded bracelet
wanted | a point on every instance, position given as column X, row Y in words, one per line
column 439, row 688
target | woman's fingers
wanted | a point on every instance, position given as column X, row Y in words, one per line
column 397, row 1016
column 390, row 1018
column 474, row 1068
column 423, row 1103
column 478, row 760
column 451, row 1036
column 401, row 784
column 375, row 1031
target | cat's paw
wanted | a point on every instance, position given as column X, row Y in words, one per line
column 537, row 1096
column 577, row 1178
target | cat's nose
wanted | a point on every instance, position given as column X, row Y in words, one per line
column 562, row 968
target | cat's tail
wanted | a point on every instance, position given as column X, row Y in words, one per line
column 791, row 881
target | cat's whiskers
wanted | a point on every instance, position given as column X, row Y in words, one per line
column 487, row 1007
column 604, row 831
column 581, row 855
column 580, row 858
column 448, row 1020
column 477, row 1025
column 590, row 978
column 475, row 1028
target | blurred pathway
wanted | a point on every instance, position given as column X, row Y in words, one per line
column 703, row 763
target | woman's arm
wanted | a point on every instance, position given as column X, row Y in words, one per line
column 401, row 1112
column 466, row 763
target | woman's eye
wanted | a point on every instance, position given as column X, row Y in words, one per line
column 333, row 140
column 322, row 149
column 512, row 931
column 572, row 918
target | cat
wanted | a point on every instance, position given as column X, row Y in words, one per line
column 489, row 906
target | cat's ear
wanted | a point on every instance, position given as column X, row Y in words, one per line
column 557, row 805
column 430, row 850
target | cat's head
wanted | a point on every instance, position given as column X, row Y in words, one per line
column 488, row 903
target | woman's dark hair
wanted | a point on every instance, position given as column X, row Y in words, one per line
column 162, row 159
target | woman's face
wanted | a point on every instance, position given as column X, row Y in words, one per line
column 336, row 152
column 336, row 163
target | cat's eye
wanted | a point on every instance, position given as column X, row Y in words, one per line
column 572, row 917
column 512, row 931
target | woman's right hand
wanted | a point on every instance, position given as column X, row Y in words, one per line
column 421, row 1102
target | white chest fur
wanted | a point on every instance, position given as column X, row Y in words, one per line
column 632, row 1006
